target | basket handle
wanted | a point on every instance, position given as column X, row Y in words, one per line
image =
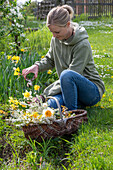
column 58, row 104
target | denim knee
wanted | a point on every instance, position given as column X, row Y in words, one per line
column 52, row 103
column 65, row 74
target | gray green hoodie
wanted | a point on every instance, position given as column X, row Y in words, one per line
column 74, row 54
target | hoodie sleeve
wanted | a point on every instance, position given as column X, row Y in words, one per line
column 81, row 56
column 47, row 62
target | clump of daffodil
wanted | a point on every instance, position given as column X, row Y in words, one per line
column 36, row 87
column 49, row 72
column 15, row 59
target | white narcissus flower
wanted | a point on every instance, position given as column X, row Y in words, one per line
column 48, row 112
column 45, row 105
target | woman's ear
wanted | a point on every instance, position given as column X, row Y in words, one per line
column 68, row 24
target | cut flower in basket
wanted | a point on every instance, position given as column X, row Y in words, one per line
column 30, row 110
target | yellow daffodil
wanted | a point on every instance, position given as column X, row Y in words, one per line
column 49, row 72
column 9, row 56
column 35, row 114
column 27, row 94
column 36, row 87
column 13, row 106
column 11, row 100
column 15, row 58
column 103, row 95
column 110, row 100
column 22, row 50
column 16, row 102
column 1, row 111
column 17, row 69
column 16, row 73
column 42, row 56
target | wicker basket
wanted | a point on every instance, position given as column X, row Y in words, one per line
column 58, row 127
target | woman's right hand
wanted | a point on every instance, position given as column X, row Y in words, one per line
column 32, row 69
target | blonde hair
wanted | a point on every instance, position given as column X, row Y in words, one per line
column 60, row 15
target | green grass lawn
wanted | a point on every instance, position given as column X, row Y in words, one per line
column 91, row 148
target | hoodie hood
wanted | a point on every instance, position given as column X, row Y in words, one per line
column 79, row 34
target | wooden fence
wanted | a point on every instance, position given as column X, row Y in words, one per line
column 94, row 9
column 91, row 8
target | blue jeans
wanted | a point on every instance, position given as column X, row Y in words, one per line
column 76, row 91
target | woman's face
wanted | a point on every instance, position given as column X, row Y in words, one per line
column 60, row 33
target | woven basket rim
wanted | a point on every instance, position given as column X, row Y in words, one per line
column 64, row 120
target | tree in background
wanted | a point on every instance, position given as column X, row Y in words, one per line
column 12, row 23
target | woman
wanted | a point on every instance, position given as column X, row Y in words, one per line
column 70, row 53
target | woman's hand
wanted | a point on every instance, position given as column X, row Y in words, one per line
column 32, row 69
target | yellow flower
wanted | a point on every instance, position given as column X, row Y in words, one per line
column 22, row 50
column 112, row 77
column 17, row 69
column 96, row 105
column 36, row 87
column 16, row 102
column 110, row 100
column 35, row 114
column 23, row 105
column 43, row 56
column 49, row 72
column 9, row 56
column 104, row 50
column 13, row 106
column 27, row 94
column 15, row 58
column 11, row 100
column 103, row 95
column 102, row 107
column 1, row 111
column 16, row 73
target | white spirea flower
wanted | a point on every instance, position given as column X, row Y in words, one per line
column 20, row 16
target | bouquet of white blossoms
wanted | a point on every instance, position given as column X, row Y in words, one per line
column 30, row 110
